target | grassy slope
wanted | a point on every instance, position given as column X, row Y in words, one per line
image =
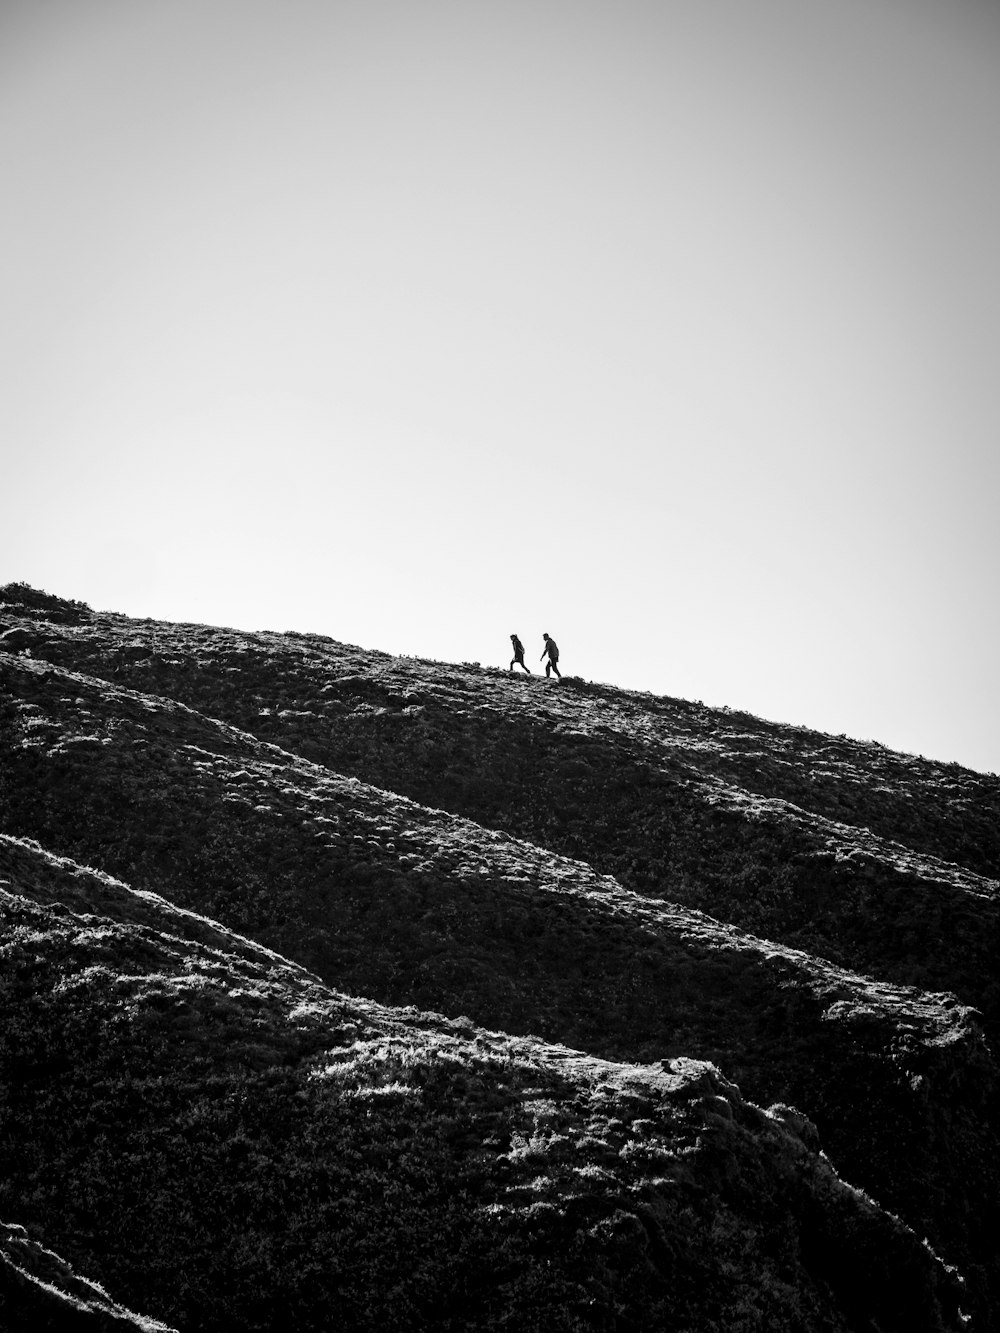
column 413, row 905
column 40, row 1293
column 208, row 1128
column 872, row 860
column 406, row 905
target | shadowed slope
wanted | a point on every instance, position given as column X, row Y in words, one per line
column 407, row 905
column 873, row 860
column 40, row 1293
column 545, row 875
column 200, row 1122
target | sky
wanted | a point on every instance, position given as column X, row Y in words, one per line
column 671, row 329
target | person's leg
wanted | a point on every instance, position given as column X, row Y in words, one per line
column 556, row 670
column 548, row 668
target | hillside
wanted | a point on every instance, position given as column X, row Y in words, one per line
column 667, row 917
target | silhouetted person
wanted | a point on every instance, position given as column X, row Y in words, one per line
column 518, row 657
column 552, row 651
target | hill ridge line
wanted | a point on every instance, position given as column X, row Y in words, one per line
column 243, row 858
column 583, row 880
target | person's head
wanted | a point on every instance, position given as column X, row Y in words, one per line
column 513, row 636
column 544, row 635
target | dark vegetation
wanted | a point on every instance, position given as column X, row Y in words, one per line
column 546, row 883
column 867, row 858
column 201, row 1124
column 40, row 1293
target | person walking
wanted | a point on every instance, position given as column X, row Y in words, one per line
column 552, row 651
column 518, row 657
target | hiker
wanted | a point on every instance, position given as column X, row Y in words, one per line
column 552, row 649
column 518, row 657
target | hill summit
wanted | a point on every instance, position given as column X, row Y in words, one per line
column 343, row 989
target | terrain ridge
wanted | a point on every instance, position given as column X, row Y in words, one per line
column 423, row 995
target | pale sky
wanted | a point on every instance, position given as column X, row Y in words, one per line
column 671, row 328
